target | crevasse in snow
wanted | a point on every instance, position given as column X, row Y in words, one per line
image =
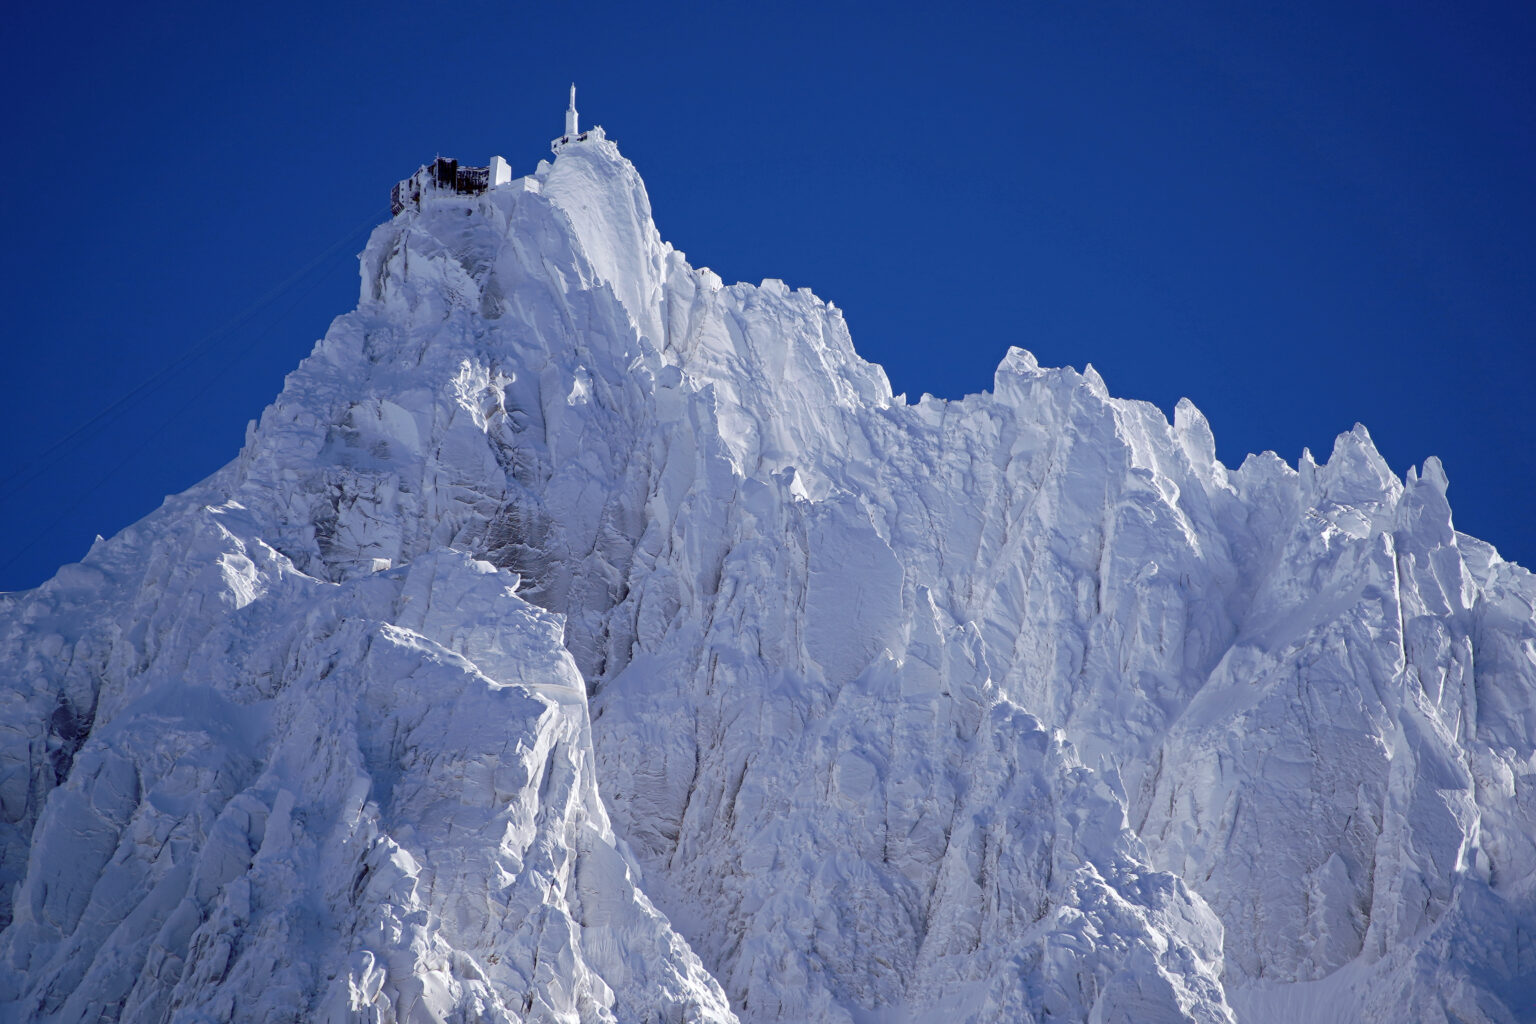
column 580, row 638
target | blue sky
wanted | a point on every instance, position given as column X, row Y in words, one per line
column 1298, row 215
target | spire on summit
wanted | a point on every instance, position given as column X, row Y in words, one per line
column 573, row 132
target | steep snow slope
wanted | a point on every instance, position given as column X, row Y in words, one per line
column 1017, row 707
column 311, row 802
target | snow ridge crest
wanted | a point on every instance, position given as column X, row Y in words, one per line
column 578, row 637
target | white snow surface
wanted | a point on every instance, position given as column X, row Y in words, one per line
column 577, row 638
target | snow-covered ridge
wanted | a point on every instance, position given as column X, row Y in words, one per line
column 580, row 638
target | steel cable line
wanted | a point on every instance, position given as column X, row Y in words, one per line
column 218, row 374
column 11, row 484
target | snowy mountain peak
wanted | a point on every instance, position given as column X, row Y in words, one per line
column 578, row 637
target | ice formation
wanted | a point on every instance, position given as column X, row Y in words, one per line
column 579, row 638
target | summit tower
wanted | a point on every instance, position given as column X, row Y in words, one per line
column 573, row 132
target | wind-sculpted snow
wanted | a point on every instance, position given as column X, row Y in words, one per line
column 1021, row 707
column 303, row 801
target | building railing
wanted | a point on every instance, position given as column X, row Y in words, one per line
column 441, row 175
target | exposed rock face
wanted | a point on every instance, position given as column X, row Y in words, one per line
column 1021, row 707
